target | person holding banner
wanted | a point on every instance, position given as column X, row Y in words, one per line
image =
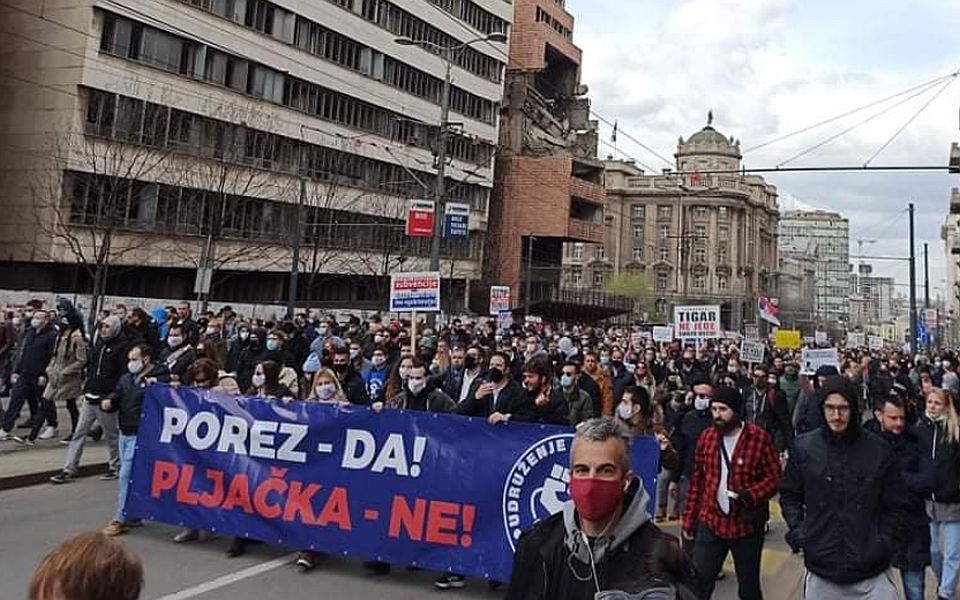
column 603, row 540
column 542, row 402
column 496, row 392
column 326, row 388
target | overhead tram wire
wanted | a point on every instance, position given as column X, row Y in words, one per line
column 924, row 85
column 842, row 133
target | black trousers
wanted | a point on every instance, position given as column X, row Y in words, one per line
column 709, row 552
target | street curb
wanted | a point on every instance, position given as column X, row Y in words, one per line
column 28, row 479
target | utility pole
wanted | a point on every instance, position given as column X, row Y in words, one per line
column 913, row 287
column 926, row 291
column 297, row 235
column 526, row 294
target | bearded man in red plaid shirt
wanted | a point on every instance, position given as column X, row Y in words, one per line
column 736, row 472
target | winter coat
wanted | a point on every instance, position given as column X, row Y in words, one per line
column 178, row 359
column 354, row 388
column 36, row 352
column 429, row 400
column 768, row 409
column 375, row 380
column 552, row 562
column 65, row 373
column 580, row 405
column 685, row 436
column 106, row 362
column 944, row 503
column 509, row 398
column 129, row 395
column 845, row 503
column 555, row 412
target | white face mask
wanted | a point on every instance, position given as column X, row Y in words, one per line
column 416, row 385
column 624, row 410
column 701, row 403
column 378, row 360
column 135, row 366
column 174, row 341
column 244, row 335
column 325, row 391
column 258, row 379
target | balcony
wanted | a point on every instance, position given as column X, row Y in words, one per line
column 565, row 304
column 592, row 192
column 690, row 185
column 584, row 231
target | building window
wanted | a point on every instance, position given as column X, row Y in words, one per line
column 638, row 253
column 699, row 282
column 639, row 211
column 638, row 232
column 700, row 232
column 722, row 253
column 700, row 212
column 723, row 232
column 576, row 277
column 598, row 252
column 661, row 281
column 664, row 211
column 722, row 213
column 599, row 279
column 721, row 282
column 700, row 256
column 664, row 232
column 664, row 254
column 577, row 250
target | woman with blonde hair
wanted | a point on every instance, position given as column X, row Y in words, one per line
column 326, row 388
column 940, row 431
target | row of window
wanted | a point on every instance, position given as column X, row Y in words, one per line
column 132, row 120
column 662, row 279
column 128, row 204
column 290, row 28
column 665, row 211
column 545, row 17
column 478, row 18
column 663, row 253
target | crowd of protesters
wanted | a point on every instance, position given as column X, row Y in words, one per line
column 869, row 449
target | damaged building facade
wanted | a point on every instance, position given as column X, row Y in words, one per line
column 548, row 182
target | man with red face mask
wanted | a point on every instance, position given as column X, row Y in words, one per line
column 603, row 540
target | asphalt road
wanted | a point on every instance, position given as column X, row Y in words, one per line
column 35, row 520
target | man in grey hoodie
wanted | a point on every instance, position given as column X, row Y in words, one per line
column 603, row 539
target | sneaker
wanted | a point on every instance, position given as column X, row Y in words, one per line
column 62, row 477
column 66, row 441
column 306, row 560
column 5, row 435
column 238, row 547
column 24, row 441
column 187, row 535
column 48, row 433
column 131, row 523
column 108, row 476
column 115, row 528
column 377, row 568
column 450, row 581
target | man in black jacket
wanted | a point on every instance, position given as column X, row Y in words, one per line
column 912, row 557
column 29, row 371
column 765, row 405
column 685, row 436
column 542, row 403
column 106, row 362
column 141, row 371
column 495, row 392
column 844, row 501
column 602, row 539
column 350, row 380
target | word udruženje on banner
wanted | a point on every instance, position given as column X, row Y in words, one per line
column 441, row 492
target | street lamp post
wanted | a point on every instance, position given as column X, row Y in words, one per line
column 447, row 54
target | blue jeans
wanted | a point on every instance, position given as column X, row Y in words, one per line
column 126, row 445
column 913, row 583
column 945, row 555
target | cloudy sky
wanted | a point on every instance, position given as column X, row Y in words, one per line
column 771, row 67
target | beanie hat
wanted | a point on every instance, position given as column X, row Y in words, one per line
column 837, row 384
column 729, row 396
column 827, row 371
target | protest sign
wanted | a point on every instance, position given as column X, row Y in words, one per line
column 751, row 352
column 875, row 342
column 415, row 292
column 420, row 218
column 499, row 299
column 441, row 492
column 456, row 220
column 856, row 340
column 812, row 359
column 663, row 333
column 820, row 337
column 787, row 339
column 751, row 332
column 697, row 322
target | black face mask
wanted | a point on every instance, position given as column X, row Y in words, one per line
column 496, row 375
column 470, row 362
column 616, row 364
column 340, row 369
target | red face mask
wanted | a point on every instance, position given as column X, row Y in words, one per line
column 596, row 499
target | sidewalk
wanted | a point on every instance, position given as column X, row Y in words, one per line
column 29, row 465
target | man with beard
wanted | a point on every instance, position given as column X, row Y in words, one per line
column 350, row 380
column 735, row 474
column 543, row 403
column 496, row 392
column 919, row 475
column 844, row 501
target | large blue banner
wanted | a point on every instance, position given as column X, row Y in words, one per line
column 441, row 492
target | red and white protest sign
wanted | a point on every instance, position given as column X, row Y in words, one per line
column 420, row 217
column 697, row 322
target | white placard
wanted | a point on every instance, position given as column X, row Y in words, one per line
column 875, row 342
column 696, row 322
column 856, row 340
column 812, row 359
column 751, row 352
column 663, row 333
column 415, row 292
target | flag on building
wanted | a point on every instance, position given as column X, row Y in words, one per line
column 768, row 310
column 613, row 136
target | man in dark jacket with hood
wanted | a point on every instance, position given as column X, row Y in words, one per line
column 29, row 372
column 912, row 557
column 808, row 415
column 603, row 538
column 844, row 501
column 542, row 402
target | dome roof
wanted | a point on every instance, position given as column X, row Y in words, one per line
column 709, row 140
column 708, row 135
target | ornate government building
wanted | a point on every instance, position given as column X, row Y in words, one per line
column 704, row 233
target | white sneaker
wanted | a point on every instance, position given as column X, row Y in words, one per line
column 49, row 432
column 5, row 435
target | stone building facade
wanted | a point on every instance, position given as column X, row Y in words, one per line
column 702, row 234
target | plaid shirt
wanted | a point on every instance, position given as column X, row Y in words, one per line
column 756, row 471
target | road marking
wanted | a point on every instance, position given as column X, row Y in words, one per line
column 231, row 578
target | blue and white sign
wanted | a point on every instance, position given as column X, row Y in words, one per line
column 456, row 220
column 415, row 292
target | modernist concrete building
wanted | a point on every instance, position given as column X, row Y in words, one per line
column 548, row 186
column 162, row 135
column 698, row 237
column 824, row 236
column 873, row 295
